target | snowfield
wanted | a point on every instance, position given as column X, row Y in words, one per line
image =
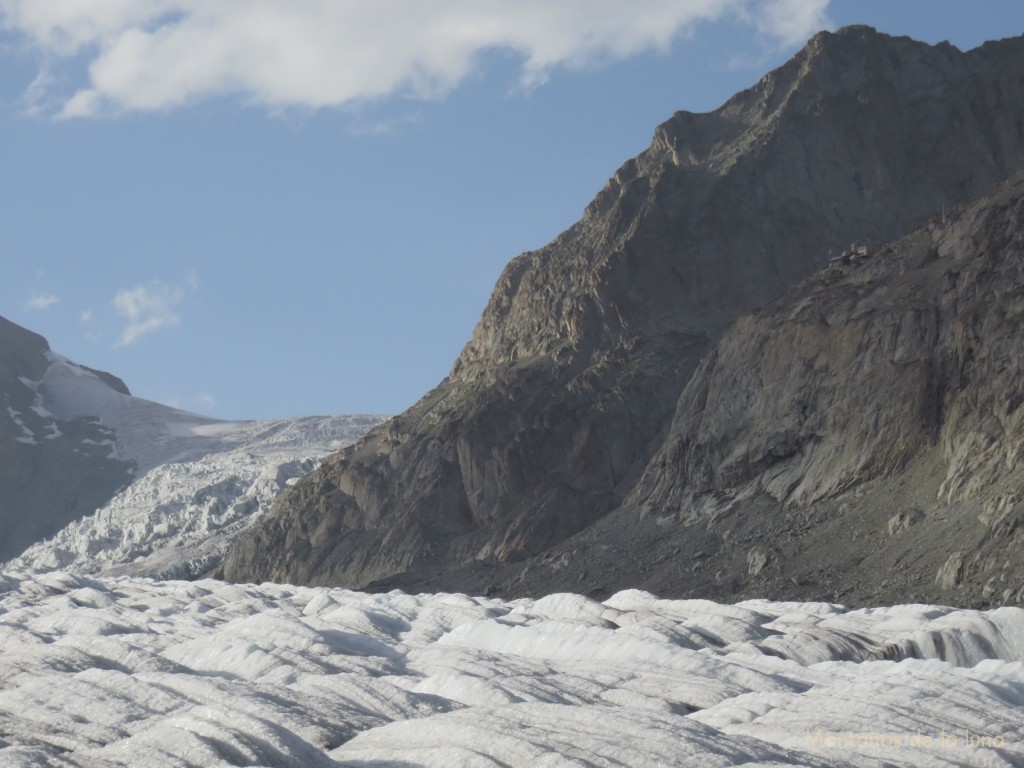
column 125, row 671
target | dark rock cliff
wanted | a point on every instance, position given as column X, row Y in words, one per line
column 868, row 374
column 566, row 391
column 858, row 440
column 52, row 471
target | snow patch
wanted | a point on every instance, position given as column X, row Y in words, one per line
column 27, row 435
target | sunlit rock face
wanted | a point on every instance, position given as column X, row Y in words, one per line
column 132, row 672
column 570, row 382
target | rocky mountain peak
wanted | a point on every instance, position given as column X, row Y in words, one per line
column 571, row 378
column 849, row 119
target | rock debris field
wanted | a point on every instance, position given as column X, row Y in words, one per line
column 134, row 672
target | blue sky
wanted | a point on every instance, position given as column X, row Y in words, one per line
column 264, row 208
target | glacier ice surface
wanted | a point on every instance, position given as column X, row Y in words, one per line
column 199, row 482
column 124, row 671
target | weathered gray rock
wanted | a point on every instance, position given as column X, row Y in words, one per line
column 951, row 573
column 863, row 377
column 757, row 559
column 556, row 406
column 852, row 374
column 904, row 520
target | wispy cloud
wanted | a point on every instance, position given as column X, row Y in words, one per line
column 38, row 98
column 206, row 401
column 86, row 317
column 148, row 308
column 160, row 54
column 41, row 302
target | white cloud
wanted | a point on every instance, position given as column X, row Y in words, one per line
column 42, row 301
column 147, row 308
column 159, row 54
column 38, row 97
column 789, row 21
column 206, row 401
column 86, row 317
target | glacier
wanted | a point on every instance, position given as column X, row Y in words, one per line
column 128, row 671
column 177, row 519
column 198, row 483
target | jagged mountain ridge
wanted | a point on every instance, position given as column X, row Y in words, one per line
column 567, row 388
column 172, row 487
